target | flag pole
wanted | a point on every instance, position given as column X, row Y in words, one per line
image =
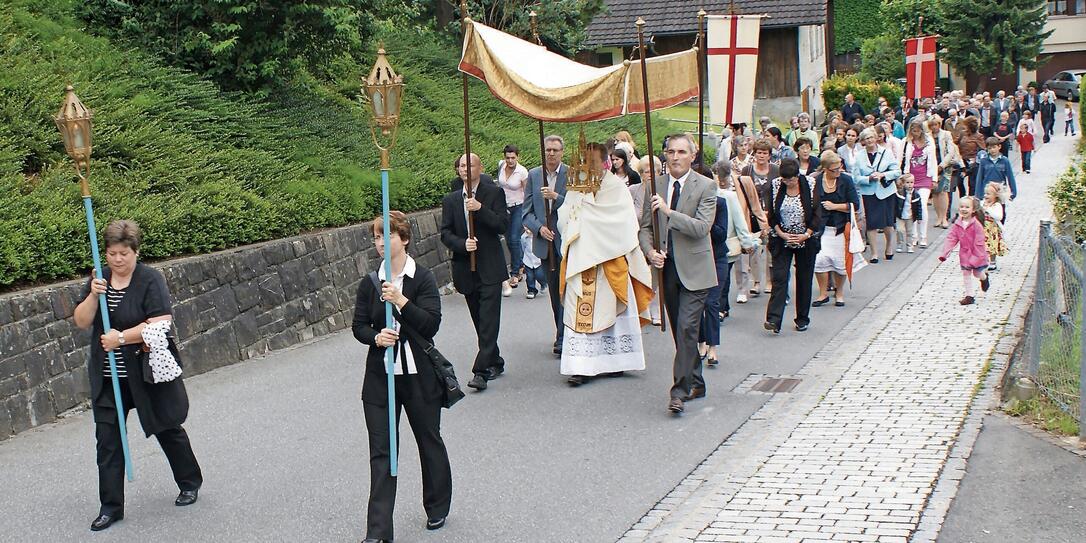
column 543, row 161
column 652, row 170
column 468, row 189
column 702, row 49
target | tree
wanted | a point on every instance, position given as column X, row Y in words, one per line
column 853, row 22
column 241, row 44
column 904, row 17
column 984, row 36
column 882, row 57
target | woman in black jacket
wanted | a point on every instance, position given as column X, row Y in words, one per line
column 795, row 219
column 136, row 298
column 417, row 313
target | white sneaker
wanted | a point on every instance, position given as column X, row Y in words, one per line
column 912, row 248
column 530, row 295
column 507, row 290
column 741, row 299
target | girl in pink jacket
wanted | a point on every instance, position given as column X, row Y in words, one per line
column 968, row 232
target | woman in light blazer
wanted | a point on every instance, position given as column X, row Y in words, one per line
column 950, row 166
column 919, row 158
column 875, row 173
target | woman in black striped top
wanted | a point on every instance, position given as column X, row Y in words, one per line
column 136, row 295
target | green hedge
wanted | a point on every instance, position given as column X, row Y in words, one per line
column 1068, row 196
column 1082, row 109
column 203, row 170
column 866, row 91
column 853, row 22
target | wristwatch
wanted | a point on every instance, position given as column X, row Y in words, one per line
column 121, row 334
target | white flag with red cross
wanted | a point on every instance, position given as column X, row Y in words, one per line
column 732, row 51
column 920, row 67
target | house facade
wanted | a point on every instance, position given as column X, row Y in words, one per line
column 793, row 43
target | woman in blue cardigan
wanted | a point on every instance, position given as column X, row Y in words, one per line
column 875, row 171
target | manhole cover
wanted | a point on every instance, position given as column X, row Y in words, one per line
column 773, row 385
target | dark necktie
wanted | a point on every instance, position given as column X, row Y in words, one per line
column 675, row 188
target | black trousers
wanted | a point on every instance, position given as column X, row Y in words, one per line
column 783, row 259
column 554, row 285
column 684, row 309
column 485, row 307
column 424, row 416
column 174, row 442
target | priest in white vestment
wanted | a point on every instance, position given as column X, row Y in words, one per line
column 606, row 280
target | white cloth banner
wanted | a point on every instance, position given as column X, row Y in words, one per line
column 732, row 51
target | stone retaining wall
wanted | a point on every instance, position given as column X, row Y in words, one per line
column 228, row 307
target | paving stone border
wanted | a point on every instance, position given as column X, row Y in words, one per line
column 229, row 306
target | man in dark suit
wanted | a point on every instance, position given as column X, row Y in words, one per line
column 483, row 287
column 685, row 203
column 547, row 243
column 988, row 117
column 852, row 110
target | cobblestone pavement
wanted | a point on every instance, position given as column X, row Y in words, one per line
column 855, row 452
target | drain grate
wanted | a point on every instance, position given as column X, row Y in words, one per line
column 773, row 385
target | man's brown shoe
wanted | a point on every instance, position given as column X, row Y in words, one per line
column 675, row 405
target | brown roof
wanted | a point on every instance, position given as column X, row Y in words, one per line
column 615, row 26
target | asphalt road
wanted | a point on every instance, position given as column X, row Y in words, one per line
column 283, row 445
column 1018, row 488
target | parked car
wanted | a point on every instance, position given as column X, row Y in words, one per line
column 1066, row 83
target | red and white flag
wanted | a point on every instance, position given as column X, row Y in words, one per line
column 732, row 51
column 920, row 67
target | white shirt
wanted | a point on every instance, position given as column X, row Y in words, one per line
column 402, row 357
column 474, row 191
column 671, row 185
column 513, row 184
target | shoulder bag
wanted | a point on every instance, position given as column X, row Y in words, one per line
column 855, row 237
column 446, row 374
column 754, row 226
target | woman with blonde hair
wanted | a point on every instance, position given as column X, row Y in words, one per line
column 836, row 193
column 918, row 157
column 624, row 141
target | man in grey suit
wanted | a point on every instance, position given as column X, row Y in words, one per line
column 547, row 243
column 686, row 202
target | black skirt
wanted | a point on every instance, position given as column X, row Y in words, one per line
column 880, row 213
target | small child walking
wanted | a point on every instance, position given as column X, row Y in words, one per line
column 995, row 215
column 1068, row 118
column 533, row 271
column 907, row 208
column 1025, row 145
column 968, row 232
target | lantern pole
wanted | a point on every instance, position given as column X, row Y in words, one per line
column 543, row 160
column 72, row 106
column 652, row 170
column 468, row 189
column 375, row 86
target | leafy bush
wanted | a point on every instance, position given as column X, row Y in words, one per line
column 1082, row 109
column 866, row 91
column 203, row 170
column 853, row 22
column 1068, row 196
column 882, row 58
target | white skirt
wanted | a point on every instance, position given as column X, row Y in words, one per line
column 618, row 348
column 831, row 256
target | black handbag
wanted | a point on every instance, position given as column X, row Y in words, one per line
column 443, row 369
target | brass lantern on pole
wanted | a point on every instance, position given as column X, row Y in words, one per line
column 74, row 122
column 384, row 88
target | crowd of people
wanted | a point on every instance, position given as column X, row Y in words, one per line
column 777, row 213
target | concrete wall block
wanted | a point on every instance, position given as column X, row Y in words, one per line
column 12, row 386
column 271, row 291
column 24, row 306
column 41, row 407
column 250, row 264
column 247, row 294
column 14, row 339
column 5, row 424
column 63, row 301
column 277, row 252
column 65, row 392
column 246, row 330
column 292, row 277
column 12, row 366
column 19, row 411
column 284, row 339
column 212, row 349
column 5, row 312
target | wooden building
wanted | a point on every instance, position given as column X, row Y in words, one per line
column 793, row 41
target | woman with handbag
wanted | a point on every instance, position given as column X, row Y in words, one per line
column 875, row 172
column 836, row 193
column 138, row 302
column 419, row 389
column 795, row 218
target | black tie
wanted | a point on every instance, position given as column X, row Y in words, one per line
column 675, row 188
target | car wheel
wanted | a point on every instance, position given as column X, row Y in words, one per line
column 1070, row 95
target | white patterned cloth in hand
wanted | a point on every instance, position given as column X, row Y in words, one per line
column 164, row 366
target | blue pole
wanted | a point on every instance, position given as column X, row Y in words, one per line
column 389, row 367
column 103, row 309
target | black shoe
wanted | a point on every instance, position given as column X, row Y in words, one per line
column 613, row 374
column 771, row 327
column 435, row 523
column 494, row 372
column 695, row 393
column 186, row 497
column 801, row 327
column 984, row 284
column 478, row 382
column 105, row 521
column 820, row 303
column 675, row 405
column 370, row 540
column 557, row 348
column 839, row 303
column 889, row 257
column 576, row 380
column 874, row 261
column 711, row 362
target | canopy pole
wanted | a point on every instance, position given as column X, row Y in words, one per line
column 543, row 160
column 702, row 49
column 468, row 189
column 652, row 170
